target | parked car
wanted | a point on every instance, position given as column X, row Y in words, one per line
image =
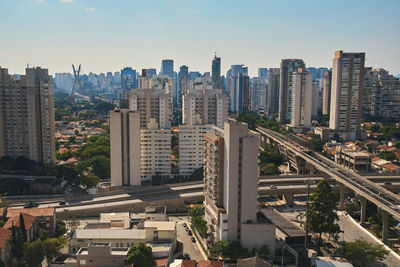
column 272, row 186
column 387, row 183
column 193, row 240
column 62, row 203
column 190, row 232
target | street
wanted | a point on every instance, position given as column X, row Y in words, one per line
column 190, row 248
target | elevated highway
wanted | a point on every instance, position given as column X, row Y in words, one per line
column 386, row 201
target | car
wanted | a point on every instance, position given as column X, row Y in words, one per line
column 193, row 240
column 186, row 256
column 184, row 225
column 190, row 232
column 387, row 183
column 62, row 203
column 272, row 186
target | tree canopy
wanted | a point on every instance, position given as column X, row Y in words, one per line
column 140, row 255
column 361, row 253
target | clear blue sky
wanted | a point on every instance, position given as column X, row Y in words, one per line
column 107, row 35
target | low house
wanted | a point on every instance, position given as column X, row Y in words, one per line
column 5, row 244
column 101, row 255
column 391, row 168
column 45, row 218
column 29, row 224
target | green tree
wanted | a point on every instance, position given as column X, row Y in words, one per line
column 34, row 253
column 387, row 155
column 322, row 210
column 22, row 226
column 361, row 253
column 200, row 224
column 219, row 248
column 89, row 180
column 269, row 169
column 316, row 143
column 264, row 252
column 140, row 255
column 52, row 246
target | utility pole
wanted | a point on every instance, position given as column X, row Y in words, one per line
column 307, row 205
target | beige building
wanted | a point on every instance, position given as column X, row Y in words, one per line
column 346, row 94
column 155, row 151
column 326, row 100
column 101, row 255
column 233, row 198
column 353, row 159
column 27, row 115
column 210, row 104
column 191, row 147
column 302, row 98
column 151, row 103
column 125, row 147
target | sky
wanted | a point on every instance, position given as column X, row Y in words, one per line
column 107, row 35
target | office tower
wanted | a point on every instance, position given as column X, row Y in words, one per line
column 203, row 82
column 239, row 93
column 216, row 72
column 210, row 105
column 273, row 92
column 346, row 94
column 258, row 94
column 230, row 187
column 151, row 103
column 124, row 146
column 302, row 91
column 317, row 73
column 143, row 81
column 288, row 66
column 27, row 115
column 316, row 102
column 191, row 146
column 326, row 103
column 151, row 72
column 381, row 94
column 183, row 83
column 155, row 151
column 193, row 75
column 263, row 73
column 128, row 81
column 167, row 68
column 117, row 77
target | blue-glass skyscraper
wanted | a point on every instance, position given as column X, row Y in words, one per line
column 167, row 68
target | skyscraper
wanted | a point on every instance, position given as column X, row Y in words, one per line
column 346, row 94
column 167, row 68
column 216, row 72
column 183, row 83
column 230, row 187
column 128, row 81
column 273, row 92
column 301, row 99
column 326, row 102
column 150, row 73
column 27, row 115
column 263, row 73
column 239, row 92
column 258, row 94
column 288, row 66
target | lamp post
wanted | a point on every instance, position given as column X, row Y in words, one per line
column 307, row 205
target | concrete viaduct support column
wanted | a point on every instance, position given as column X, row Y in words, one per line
column 385, row 227
column 363, row 204
column 288, row 198
column 341, row 195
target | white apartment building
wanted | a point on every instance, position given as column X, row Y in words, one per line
column 211, row 105
column 124, row 147
column 204, row 82
column 231, row 182
column 191, row 147
column 258, row 94
column 302, row 98
column 155, row 151
column 346, row 94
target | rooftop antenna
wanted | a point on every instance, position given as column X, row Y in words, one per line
column 77, row 81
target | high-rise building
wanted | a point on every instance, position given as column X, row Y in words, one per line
column 301, row 99
column 230, row 187
column 27, row 115
column 151, row 72
column 183, row 83
column 326, row 102
column 216, row 72
column 151, row 103
column 128, row 81
column 125, row 146
column 316, row 102
column 210, row 105
column 288, row 66
column 346, row 94
column 381, row 94
column 63, row 81
column 263, row 73
column 239, row 92
column 258, row 94
column 203, row 82
column 273, row 92
column 167, row 68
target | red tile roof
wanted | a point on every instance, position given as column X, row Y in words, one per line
column 4, row 237
column 188, row 263
column 160, row 262
column 210, row 264
column 36, row 212
column 391, row 167
column 28, row 221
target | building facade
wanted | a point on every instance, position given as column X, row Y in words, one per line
column 216, row 72
column 27, row 115
column 258, row 94
column 273, row 92
column 326, row 102
column 239, row 93
column 302, row 98
column 346, row 94
column 167, row 68
column 288, row 66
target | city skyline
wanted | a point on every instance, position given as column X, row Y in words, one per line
column 94, row 34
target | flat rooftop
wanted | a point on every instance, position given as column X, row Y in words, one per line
column 110, row 234
column 285, row 225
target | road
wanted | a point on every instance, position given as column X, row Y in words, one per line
column 193, row 249
column 353, row 231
